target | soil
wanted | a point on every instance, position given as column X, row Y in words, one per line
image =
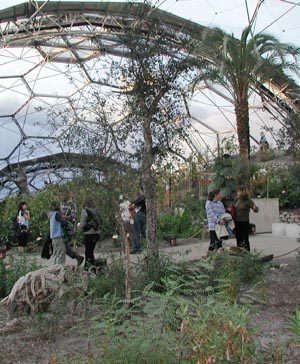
column 24, row 341
column 272, row 317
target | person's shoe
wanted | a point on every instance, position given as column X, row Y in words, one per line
column 80, row 260
column 209, row 253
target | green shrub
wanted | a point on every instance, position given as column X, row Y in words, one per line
column 160, row 273
column 147, row 338
column 142, row 348
column 110, row 283
column 294, row 328
column 219, row 333
column 179, row 226
column 39, row 204
column 231, row 272
column 21, row 267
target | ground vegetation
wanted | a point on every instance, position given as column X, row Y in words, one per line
column 224, row 309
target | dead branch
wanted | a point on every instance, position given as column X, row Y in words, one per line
column 37, row 289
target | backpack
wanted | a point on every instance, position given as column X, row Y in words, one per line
column 93, row 221
column 14, row 223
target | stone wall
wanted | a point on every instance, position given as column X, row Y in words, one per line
column 267, row 215
column 276, row 165
column 290, row 217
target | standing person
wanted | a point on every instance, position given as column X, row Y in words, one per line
column 264, row 145
column 23, row 218
column 56, row 233
column 69, row 213
column 243, row 204
column 125, row 217
column 139, row 222
column 132, row 212
column 214, row 208
column 125, row 213
column 90, row 222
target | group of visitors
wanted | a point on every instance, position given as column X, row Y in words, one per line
column 222, row 223
column 62, row 217
column 235, row 218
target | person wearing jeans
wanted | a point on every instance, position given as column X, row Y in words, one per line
column 56, row 233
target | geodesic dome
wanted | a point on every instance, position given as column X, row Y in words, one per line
column 53, row 52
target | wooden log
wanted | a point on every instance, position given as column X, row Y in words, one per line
column 34, row 291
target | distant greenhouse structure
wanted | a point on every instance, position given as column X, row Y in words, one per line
column 55, row 55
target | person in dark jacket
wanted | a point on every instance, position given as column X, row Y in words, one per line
column 90, row 226
column 69, row 213
column 139, row 222
column 243, row 204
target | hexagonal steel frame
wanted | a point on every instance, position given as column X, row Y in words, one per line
column 43, row 43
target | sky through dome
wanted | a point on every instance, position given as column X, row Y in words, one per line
column 212, row 113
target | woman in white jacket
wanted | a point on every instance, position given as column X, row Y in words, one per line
column 214, row 208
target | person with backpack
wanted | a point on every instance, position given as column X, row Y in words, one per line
column 69, row 213
column 90, row 222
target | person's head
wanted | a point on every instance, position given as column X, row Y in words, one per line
column 215, row 195
column 262, row 134
column 55, row 205
column 70, row 196
column 242, row 192
column 89, row 202
column 62, row 197
column 22, row 206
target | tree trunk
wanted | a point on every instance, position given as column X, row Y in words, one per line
column 149, row 185
column 151, row 216
column 127, row 255
column 243, row 131
column 21, row 181
column 127, row 266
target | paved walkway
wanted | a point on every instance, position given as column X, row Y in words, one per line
column 266, row 244
column 192, row 249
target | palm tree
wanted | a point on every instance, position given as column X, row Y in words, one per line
column 242, row 64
